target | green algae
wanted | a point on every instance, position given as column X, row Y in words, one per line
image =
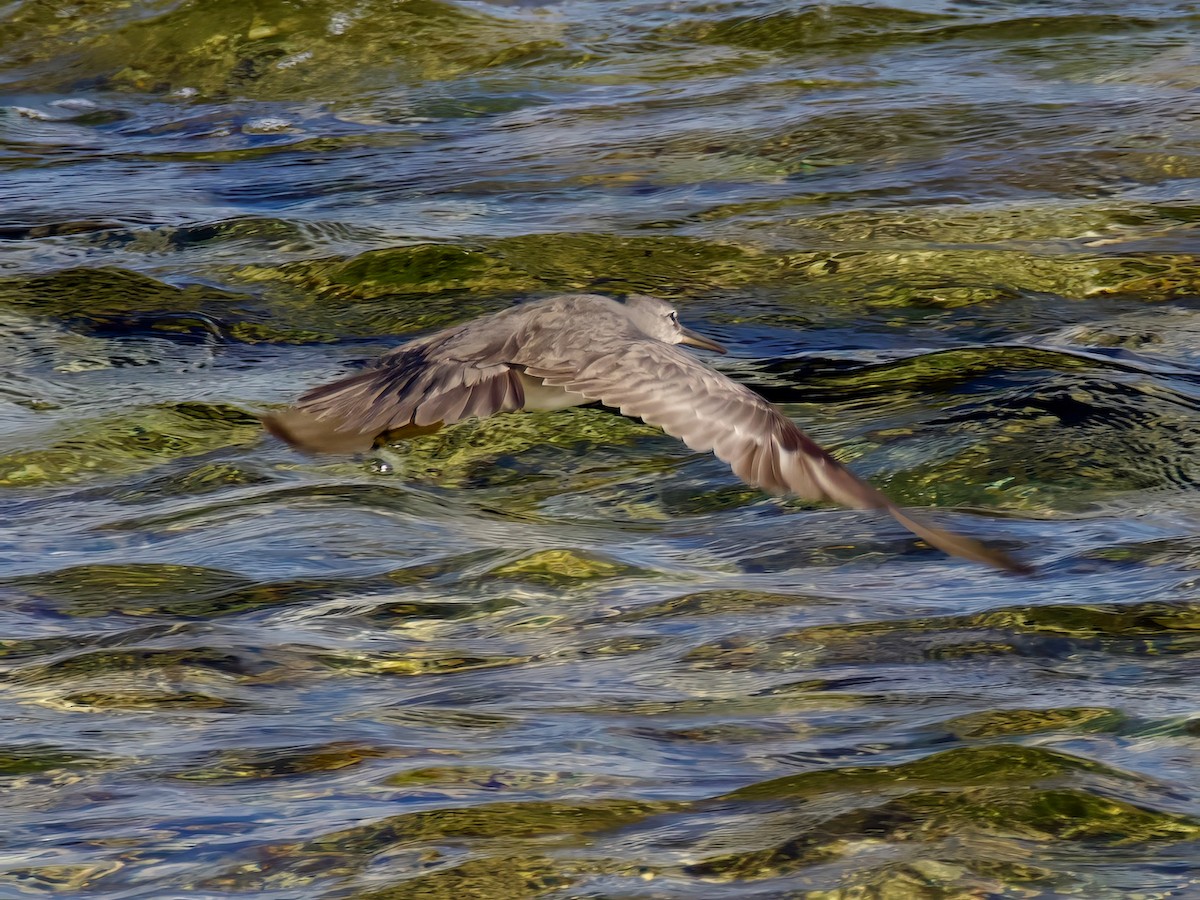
column 955, row 277
column 931, row 879
column 795, row 30
column 146, row 701
column 562, row 568
column 574, row 822
column 406, row 290
column 977, row 820
column 708, row 603
column 232, row 766
column 33, row 759
column 1134, row 630
column 504, row 878
column 1093, row 224
column 676, row 268
column 504, row 825
column 1012, row 722
column 201, row 661
column 273, row 50
column 171, row 591
column 109, row 446
column 134, row 589
column 454, row 779
column 965, row 766
column 418, row 663
column 107, row 294
column 61, row 878
column 859, row 29
column 1061, row 814
column 533, row 451
column 206, row 478
column 395, row 291
column 402, row 613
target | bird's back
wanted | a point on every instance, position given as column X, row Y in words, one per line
column 558, row 327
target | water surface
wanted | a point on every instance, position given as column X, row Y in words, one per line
column 559, row 655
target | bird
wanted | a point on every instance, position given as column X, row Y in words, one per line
column 577, row 349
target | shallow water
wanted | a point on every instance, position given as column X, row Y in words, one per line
column 559, row 655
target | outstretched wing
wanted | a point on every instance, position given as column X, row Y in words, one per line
column 665, row 386
column 409, row 391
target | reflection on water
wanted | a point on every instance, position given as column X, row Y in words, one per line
column 558, row 654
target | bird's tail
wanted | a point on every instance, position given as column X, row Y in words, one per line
column 308, row 432
column 317, row 434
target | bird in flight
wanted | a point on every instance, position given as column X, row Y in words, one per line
column 585, row 348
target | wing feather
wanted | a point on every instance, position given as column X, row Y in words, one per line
column 667, row 387
column 402, row 393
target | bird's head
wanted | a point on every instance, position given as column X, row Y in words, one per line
column 659, row 320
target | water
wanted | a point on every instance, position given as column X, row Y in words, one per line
column 558, row 655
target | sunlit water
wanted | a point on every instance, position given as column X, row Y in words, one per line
column 559, row 655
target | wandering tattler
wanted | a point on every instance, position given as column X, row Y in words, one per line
column 582, row 348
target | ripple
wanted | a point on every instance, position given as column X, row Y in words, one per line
column 560, row 654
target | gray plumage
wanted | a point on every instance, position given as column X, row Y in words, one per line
column 581, row 348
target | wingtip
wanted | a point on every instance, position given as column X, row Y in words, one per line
column 1016, row 567
column 961, row 545
column 1001, row 560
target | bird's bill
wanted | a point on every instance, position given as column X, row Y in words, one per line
column 699, row 340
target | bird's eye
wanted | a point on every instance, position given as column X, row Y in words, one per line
column 674, row 317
